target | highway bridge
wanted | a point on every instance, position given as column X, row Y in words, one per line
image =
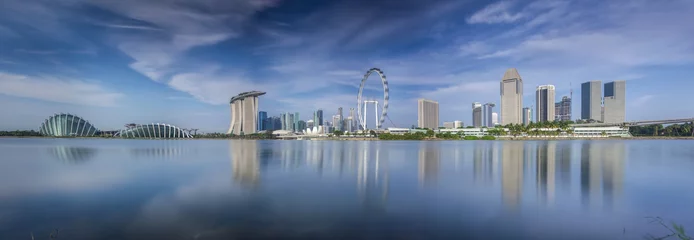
column 634, row 123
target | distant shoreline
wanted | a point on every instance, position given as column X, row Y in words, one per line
column 376, row 139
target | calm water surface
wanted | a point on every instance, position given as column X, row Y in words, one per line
column 216, row 189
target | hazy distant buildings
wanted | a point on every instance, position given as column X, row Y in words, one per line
column 476, row 114
column 427, row 114
column 527, row 116
column 339, row 125
column 449, row 125
column 590, row 100
column 296, row 122
column 244, row 113
column 562, row 109
column 544, row 100
column 511, row 97
column 495, row 118
column 487, row 109
column 614, row 102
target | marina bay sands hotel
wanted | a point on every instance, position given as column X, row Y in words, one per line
column 244, row 113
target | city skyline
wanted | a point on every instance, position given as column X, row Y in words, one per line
column 97, row 58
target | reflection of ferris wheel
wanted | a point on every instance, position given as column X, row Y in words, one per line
column 361, row 114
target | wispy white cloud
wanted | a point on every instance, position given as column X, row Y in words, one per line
column 641, row 100
column 499, row 12
column 57, row 90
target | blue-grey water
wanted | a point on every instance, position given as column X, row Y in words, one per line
column 218, row 189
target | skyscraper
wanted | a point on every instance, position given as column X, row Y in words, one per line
column 562, row 109
column 262, row 121
column 495, row 119
column 339, row 124
column 615, row 99
column 590, row 100
column 296, row 122
column 527, row 116
column 318, row 117
column 487, row 109
column 476, row 114
column 244, row 113
column 427, row 114
column 511, row 97
column 544, row 100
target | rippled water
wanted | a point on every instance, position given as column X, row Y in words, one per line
column 216, row 189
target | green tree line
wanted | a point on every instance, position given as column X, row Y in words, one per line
column 20, row 133
column 673, row 130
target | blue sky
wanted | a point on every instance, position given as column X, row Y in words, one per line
column 179, row 62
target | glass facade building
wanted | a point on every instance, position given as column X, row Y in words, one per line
column 67, row 125
column 154, row 130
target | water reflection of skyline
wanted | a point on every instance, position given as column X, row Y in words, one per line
column 542, row 169
column 73, row 155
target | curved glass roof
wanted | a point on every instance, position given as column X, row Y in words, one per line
column 65, row 125
column 154, row 130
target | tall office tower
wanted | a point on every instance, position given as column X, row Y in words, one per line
column 276, row 123
column 527, row 116
column 283, row 121
column 336, row 122
column 615, row 101
column 511, row 97
column 562, row 109
column 349, row 124
column 318, row 118
column 262, row 121
column 244, row 113
column 427, row 114
column 301, row 126
column 476, row 114
column 339, row 124
column 354, row 122
column 457, row 124
column 495, row 119
column 591, row 101
column 296, row 122
column 487, row 109
column 544, row 100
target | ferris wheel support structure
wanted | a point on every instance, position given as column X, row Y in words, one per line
column 361, row 116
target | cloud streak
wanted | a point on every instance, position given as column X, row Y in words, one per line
column 57, row 90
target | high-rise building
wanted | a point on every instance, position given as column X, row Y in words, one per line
column 262, row 121
column 527, row 116
column 339, row 125
column 318, row 117
column 457, row 124
column 511, row 97
column 283, row 121
column 487, row 109
column 302, row 126
column 288, row 123
column 476, row 114
column 276, row 123
column 296, row 122
column 544, row 100
column 495, row 119
column 590, row 100
column 354, row 121
column 449, row 125
column 427, row 114
column 309, row 124
column 336, row 122
column 244, row 113
column 562, row 109
column 614, row 101
column 349, row 124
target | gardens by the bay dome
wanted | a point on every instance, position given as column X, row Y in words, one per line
column 67, row 125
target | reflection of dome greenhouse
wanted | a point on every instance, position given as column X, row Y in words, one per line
column 63, row 125
column 154, row 130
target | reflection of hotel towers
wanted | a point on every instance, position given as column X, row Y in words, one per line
column 602, row 168
column 512, row 172
column 546, row 170
column 244, row 162
column 485, row 159
column 372, row 174
column 429, row 157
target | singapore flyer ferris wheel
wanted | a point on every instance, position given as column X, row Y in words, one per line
column 362, row 103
